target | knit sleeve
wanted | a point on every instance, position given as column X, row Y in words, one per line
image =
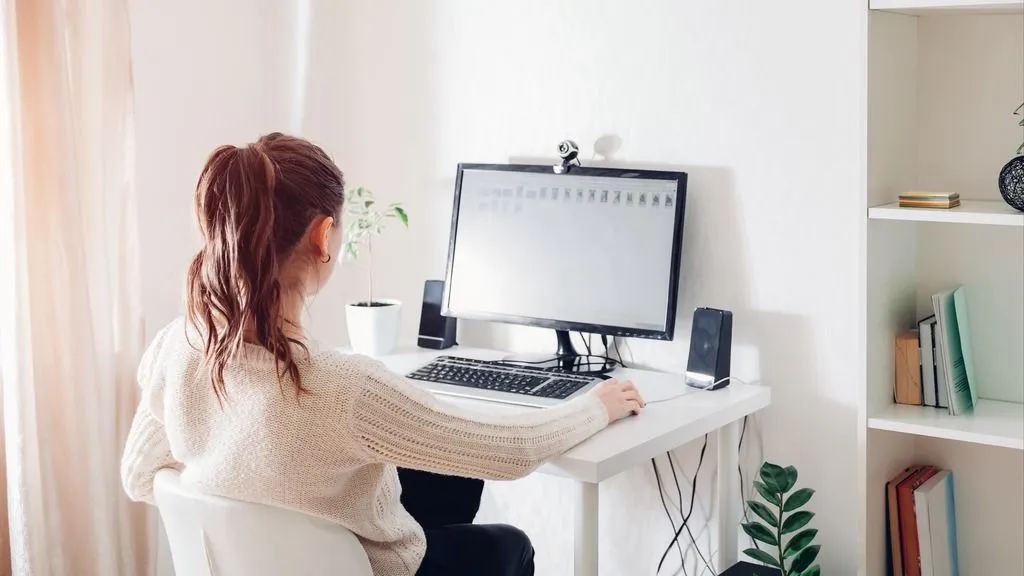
column 396, row 422
column 147, row 449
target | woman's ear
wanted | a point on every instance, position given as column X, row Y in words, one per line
column 320, row 236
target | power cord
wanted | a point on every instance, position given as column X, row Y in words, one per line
column 661, row 492
column 618, row 354
column 686, row 517
column 692, row 498
column 586, row 343
column 739, row 467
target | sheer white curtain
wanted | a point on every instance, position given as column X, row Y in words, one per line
column 70, row 314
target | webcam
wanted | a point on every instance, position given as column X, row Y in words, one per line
column 569, row 152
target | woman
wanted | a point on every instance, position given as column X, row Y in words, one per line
column 237, row 398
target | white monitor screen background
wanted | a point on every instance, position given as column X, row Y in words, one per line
column 570, row 248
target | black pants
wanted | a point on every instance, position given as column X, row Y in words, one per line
column 445, row 507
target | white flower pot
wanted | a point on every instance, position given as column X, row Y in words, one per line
column 373, row 330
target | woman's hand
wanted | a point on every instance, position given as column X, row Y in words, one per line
column 620, row 398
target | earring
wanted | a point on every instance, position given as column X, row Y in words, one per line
column 328, row 259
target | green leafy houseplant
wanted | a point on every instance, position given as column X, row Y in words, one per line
column 783, row 529
column 366, row 220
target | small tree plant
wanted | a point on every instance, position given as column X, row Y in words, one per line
column 782, row 518
column 365, row 221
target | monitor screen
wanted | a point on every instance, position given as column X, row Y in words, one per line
column 594, row 249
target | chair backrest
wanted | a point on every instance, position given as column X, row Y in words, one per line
column 214, row 536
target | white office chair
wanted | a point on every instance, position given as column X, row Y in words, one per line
column 213, row 536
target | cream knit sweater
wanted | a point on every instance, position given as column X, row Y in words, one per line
column 333, row 452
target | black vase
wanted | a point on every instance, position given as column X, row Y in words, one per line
column 1011, row 183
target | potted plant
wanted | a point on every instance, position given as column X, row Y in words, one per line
column 1011, row 177
column 373, row 323
column 788, row 542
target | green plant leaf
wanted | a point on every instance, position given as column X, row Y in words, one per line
column 799, row 542
column 798, row 499
column 796, row 521
column 760, row 532
column 350, row 249
column 771, row 497
column 804, row 559
column 762, row 557
column 400, row 212
column 791, row 475
column 765, row 513
column 812, row 571
column 774, row 477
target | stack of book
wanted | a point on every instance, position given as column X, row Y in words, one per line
column 929, row 200
column 934, row 361
column 922, row 522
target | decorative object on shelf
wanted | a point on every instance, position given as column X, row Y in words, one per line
column 372, row 323
column 1011, row 177
column 907, row 388
column 917, row 199
column 783, row 517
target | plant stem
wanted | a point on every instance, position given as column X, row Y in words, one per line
column 369, row 271
column 782, row 561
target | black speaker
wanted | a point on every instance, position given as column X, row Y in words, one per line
column 436, row 331
column 707, row 367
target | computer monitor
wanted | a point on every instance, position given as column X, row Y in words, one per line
column 595, row 250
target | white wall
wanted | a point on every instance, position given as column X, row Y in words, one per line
column 760, row 102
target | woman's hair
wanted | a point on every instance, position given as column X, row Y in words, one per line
column 254, row 204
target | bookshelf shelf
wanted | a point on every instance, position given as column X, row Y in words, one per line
column 993, row 423
column 954, row 6
column 987, row 212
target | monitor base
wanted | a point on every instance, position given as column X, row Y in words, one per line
column 565, row 359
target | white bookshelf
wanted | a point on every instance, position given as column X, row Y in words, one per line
column 944, row 78
column 992, row 423
column 985, row 212
column 925, row 7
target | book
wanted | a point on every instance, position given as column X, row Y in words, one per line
column 892, row 504
column 911, row 546
column 929, row 199
column 929, row 390
column 908, row 369
column 951, row 343
column 940, row 382
column 936, row 525
column 929, row 195
column 964, row 325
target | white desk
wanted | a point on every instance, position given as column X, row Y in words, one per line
column 661, row 427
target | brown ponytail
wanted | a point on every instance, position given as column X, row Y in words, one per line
column 254, row 204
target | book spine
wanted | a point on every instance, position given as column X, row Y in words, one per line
column 924, row 532
column 927, row 362
column 951, row 554
column 942, row 394
column 908, row 520
column 895, row 536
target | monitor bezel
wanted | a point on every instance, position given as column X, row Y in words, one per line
column 621, row 331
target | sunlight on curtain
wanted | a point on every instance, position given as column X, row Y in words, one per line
column 70, row 313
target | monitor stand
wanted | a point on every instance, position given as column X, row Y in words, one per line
column 565, row 358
